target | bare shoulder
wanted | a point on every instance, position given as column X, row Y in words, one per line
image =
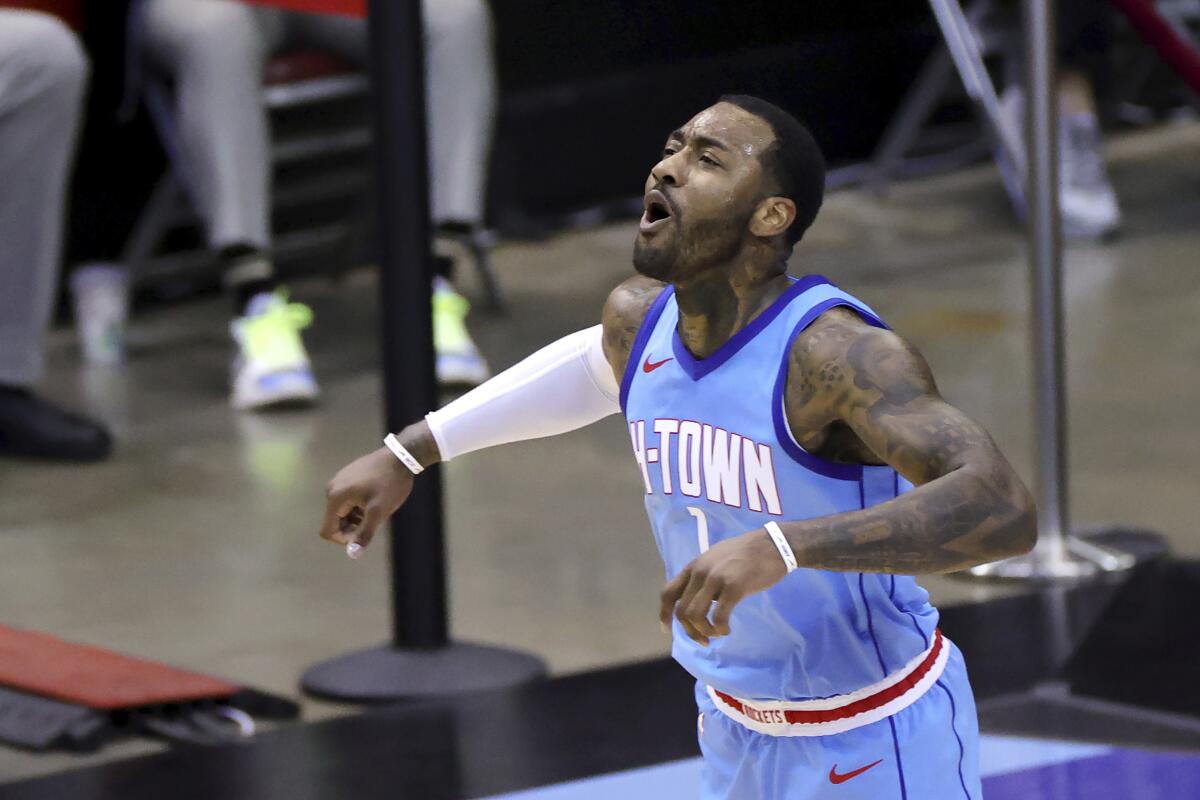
column 624, row 311
column 842, row 361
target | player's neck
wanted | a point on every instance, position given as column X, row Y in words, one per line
column 720, row 302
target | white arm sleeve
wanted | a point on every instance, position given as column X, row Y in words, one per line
column 561, row 387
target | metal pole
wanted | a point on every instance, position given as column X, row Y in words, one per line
column 1045, row 247
column 419, row 661
column 405, row 277
column 1057, row 554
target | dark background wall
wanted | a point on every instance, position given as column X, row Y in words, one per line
column 118, row 160
column 589, row 88
column 592, row 88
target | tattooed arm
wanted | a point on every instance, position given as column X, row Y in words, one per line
column 969, row 506
column 623, row 313
column 860, row 394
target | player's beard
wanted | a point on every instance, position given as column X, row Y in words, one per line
column 692, row 249
column 653, row 262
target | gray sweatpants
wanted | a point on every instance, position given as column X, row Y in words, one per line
column 215, row 49
column 43, row 74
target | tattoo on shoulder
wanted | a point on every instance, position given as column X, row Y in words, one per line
column 624, row 311
column 848, row 376
column 852, row 364
column 887, row 371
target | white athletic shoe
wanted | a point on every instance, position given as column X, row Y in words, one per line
column 459, row 362
column 272, row 366
column 1088, row 201
column 1086, row 197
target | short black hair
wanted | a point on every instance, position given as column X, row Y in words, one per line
column 794, row 160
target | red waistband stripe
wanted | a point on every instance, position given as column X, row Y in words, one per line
column 873, row 702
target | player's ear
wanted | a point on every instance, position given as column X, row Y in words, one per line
column 772, row 217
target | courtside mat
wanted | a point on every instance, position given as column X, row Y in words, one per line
column 56, row 693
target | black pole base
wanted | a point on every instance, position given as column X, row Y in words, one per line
column 389, row 673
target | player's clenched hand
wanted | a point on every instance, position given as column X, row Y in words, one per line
column 362, row 495
column 725, row 574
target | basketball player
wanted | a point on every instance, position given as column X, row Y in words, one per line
column 799, row 466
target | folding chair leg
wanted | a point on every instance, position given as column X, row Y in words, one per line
column 1007, row 147
column 151, row 226
column 904, row 126
column 481, row 255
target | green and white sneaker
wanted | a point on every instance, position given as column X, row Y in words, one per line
column 272, row 367
column 458, row 360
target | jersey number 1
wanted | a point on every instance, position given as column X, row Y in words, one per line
column 701, row 527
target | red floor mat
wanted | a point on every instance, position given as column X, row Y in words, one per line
column 91, row 676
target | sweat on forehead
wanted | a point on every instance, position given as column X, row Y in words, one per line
column 737, row 128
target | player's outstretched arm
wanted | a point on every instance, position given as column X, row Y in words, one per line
column 565, row 385
column 968, row 507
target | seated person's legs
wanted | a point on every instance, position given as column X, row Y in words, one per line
column 1088, row 201
column 1086, row 196
column 461, row 99
column 213, row 51
column 43, row 75
column 462, row 104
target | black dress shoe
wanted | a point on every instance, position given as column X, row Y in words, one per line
column 32, row 428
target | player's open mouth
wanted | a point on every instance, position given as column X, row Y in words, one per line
column 657, row 212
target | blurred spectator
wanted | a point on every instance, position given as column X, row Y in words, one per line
column 214, row 51
column 43, row 75
column 1086, row 196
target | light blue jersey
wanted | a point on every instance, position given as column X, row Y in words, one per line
column 713, row 447
column 711, row 440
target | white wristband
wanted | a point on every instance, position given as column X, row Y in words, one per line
column 406, row 458
column 781, row 544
